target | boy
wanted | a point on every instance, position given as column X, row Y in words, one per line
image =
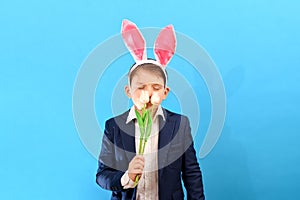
column 169, row 153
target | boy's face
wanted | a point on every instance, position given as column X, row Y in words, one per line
column 144, row 80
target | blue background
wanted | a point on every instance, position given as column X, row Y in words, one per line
column 255, row 45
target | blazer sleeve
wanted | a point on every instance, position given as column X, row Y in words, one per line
column 107, row 176
column 191, row 173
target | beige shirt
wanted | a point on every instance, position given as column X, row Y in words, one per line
column 147, row 187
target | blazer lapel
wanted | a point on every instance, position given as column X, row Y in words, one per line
column 165, row 137
column 128, row 139
column 127, row 132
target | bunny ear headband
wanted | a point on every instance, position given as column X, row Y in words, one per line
column 164, row 47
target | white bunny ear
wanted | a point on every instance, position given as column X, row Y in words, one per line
column 134, row 40
column 165, row 45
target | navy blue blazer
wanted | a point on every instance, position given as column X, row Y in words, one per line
column 176, row 158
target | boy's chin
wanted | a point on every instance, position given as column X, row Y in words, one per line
column 150, row 106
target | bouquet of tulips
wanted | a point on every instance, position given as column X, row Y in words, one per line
column 145, row 119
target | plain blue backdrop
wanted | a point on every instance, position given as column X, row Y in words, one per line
column 255, row 45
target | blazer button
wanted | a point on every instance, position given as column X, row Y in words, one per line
column 113, row 188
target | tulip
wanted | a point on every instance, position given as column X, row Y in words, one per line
column 144, row 120
column 155, row 99
column 144, row 98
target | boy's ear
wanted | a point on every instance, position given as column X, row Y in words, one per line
column 127, row 91
column 166, row 92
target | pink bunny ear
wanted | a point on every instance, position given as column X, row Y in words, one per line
column 165, row 45
column 134, row 40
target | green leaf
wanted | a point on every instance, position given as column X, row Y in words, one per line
column 150, row 119
column 139, row 119
column 144, row 114
column 142, row 131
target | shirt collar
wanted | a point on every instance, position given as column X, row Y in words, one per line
column 132, row 115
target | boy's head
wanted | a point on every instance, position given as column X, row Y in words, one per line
column 147, row 77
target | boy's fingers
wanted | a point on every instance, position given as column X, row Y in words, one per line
column 139, row 157
column 136, row 167
column 136, row 172
column 137, row 160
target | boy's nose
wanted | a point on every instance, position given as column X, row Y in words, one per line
column 149, row 90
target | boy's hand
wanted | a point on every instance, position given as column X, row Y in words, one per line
column 136, row 167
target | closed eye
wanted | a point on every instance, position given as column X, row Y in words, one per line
column 157, row 87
